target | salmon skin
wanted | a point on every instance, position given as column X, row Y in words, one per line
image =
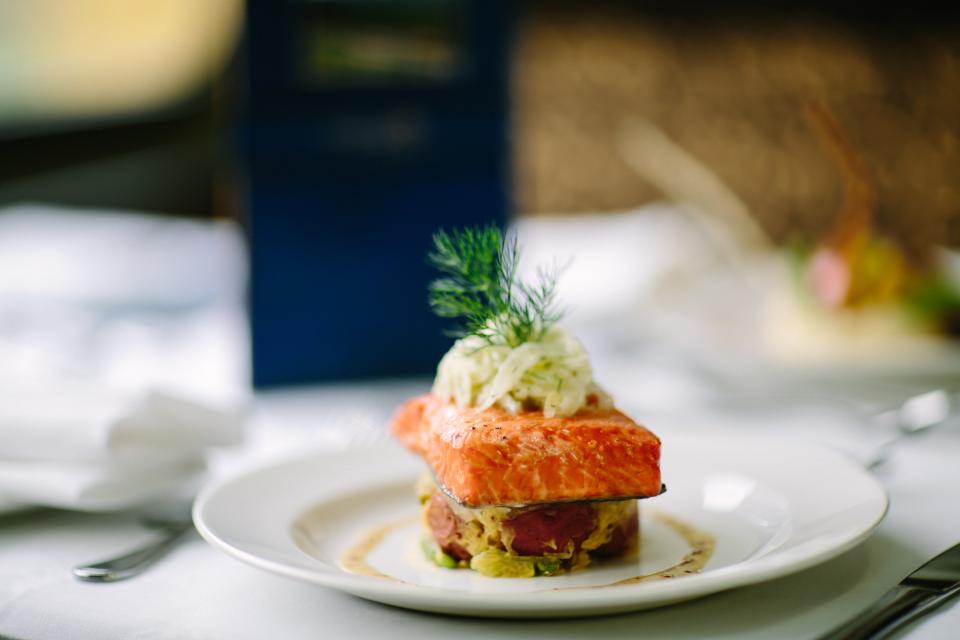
column 492, row 457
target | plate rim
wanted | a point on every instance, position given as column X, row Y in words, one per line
column 554, row 603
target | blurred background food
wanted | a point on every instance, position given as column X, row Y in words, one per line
column 660, row 145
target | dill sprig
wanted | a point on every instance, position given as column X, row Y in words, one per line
column 480, row 286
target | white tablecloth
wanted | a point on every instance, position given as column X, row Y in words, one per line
column 199, row 593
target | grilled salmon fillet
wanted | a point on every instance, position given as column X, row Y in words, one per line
column 493, row 457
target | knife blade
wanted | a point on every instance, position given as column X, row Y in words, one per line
column 930, row 586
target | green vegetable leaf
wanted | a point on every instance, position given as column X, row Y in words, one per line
column 480, row 286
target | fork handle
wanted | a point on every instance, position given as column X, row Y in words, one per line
column 132, row 563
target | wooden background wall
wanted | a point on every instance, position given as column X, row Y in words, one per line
column 731, row 89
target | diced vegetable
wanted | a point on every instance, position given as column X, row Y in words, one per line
column 547, row 566
column 436, row 555
column 497, row 564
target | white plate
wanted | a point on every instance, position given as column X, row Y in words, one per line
column 774, row 508
column 750, row 330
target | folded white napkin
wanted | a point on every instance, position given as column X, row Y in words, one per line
column 88, row 449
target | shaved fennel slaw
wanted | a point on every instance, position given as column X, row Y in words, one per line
column 552, row 373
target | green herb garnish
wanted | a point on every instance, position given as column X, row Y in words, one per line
column 480, row 286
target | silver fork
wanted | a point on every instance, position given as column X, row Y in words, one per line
column 172, row 521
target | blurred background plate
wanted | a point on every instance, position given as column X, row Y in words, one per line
column 750, row 330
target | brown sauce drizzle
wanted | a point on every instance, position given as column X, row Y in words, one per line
column 354, row 559
column 701, row 544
